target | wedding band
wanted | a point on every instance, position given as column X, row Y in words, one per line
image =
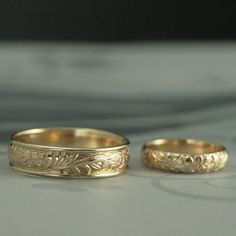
column 69, row 152
column 185, row 156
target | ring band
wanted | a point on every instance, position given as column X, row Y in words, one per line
column 185, row 156
column 69, row 152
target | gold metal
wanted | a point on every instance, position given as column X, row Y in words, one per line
column 185, row 156
column 69, row 152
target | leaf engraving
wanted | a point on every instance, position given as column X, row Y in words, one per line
column 78, row 163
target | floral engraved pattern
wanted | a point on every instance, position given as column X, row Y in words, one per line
column 185, row 163
column 81, row 163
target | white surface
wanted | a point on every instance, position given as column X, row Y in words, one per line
column 144, row 91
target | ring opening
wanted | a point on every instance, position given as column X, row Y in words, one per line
column 70, row 138
column 188, row 146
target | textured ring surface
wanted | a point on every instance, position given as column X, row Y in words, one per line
column 69, row 152
column 185, row 156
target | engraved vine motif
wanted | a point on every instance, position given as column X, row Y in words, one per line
column 185, row 163
column 70, row 162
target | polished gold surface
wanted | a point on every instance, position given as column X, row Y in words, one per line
column 69, row 152
column 186, row 156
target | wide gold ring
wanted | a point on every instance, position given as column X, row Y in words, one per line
column 69, row 152
column 185, row 156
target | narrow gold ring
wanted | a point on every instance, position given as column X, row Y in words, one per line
column 185, row 156
column 69, row 152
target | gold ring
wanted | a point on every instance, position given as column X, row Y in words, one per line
column 69, row 152
column 185, row 156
